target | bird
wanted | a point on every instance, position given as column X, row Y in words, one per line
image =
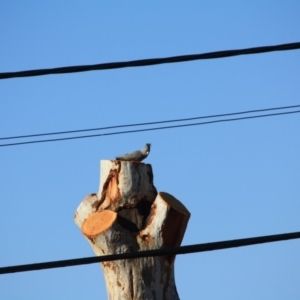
column 136, row 155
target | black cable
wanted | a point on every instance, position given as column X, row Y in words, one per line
column 152, row 253
column 148, row 129
column 150, row 62
column 148, row 123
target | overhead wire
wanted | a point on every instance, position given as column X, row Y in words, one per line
column 152, row 253
column 148, row 129
column 149, row 123
column 151, row 61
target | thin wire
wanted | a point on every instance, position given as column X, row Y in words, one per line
column 150, row 62
column 148, row 129
column 148, row 123
column 153, row 253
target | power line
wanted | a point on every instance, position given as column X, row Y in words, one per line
column 148, row 129
column 150, row 62
column 152, row 253
column 148, row 123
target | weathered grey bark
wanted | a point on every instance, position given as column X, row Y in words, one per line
column 128, row 215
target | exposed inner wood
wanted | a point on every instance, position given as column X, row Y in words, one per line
column 98, row 223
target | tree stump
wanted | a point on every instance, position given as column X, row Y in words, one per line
column 128, row 215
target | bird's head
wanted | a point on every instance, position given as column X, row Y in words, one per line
column 147, row 148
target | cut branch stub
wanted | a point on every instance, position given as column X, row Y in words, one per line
column 98, row 223
column 124, row 184
column 166, row 224
column 106, row 235
column 127, row 215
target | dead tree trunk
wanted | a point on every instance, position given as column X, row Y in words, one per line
column 128, row 215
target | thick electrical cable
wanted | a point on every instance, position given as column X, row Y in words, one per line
column 151, row 62
column 153, row 253
column 149, row 129
column 148, row 123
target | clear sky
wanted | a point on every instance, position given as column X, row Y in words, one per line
column 238, row 179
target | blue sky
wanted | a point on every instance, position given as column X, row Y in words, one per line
column 238, row 179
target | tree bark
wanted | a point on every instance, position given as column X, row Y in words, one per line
column 128, row 215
